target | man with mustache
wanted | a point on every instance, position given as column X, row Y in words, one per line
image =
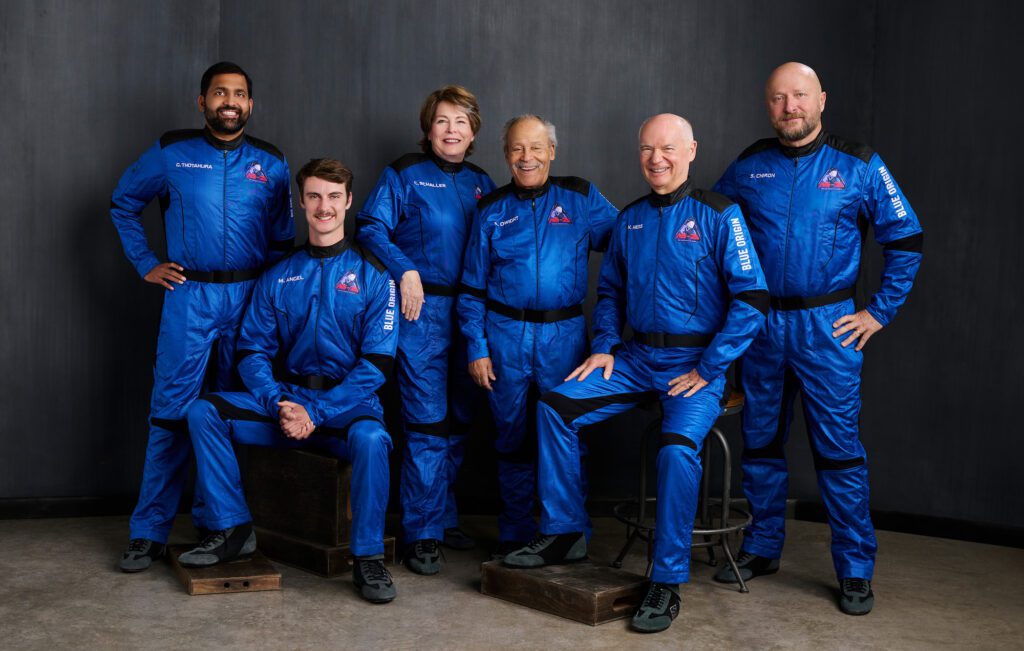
column 520, row 302
column 317, row 341
column 679, row 271
column 809, row 196
column 227, row 213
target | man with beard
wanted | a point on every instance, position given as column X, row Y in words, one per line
column 680, row 273
column 520, row 303
column 317, row 341
column 809, row 196
column 227, row 212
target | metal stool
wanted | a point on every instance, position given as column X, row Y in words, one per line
column 640, row 524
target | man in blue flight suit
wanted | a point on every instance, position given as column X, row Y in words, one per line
column 680, row 271
column 809, row 197
column 317, row 341
column 227, row 212
column 520, row 306
column 417, row 220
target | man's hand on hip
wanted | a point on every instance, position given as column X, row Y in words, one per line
column 164, row 274
column 860, row 325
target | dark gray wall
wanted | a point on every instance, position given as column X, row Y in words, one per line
column 88, row 86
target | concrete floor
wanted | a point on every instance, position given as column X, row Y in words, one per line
column 59, row 589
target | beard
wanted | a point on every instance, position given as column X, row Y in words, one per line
column 223, row 125
column 797, row 132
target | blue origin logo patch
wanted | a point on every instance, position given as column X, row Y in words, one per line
column 254, row 172
column 478, row 192
column 832, row 181
column 348, row 283
column 558, row 215
column 688, row 232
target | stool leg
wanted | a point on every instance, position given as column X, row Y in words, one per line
column 706, row 521
column 633, row 535
column 732, row 563
column 726, row 502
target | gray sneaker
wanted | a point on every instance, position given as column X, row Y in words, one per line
column 140, row 555
column 856, row 596
column 236, row 543
column 424, row 557
column 658, row 609
column 549, row 550
column 749, row 565
column 373, row 580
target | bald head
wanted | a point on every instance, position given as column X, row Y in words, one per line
column 667, row 148
column 795, row 102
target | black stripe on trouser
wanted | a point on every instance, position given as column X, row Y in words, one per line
column 229, row 411
column 824, row 463
column 527, row 450
column 176, row 425
column 440, row 428
column 569, row 409
column 670, row 438
column 775, row 449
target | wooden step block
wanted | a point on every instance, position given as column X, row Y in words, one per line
column 301, row 493
column 586, row 591
column 250, row 575
column 325, row 560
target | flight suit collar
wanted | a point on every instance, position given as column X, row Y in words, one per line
column 446, row 166
column 805, row 150
column 222, row 145
column 327, row 251
column 526, row 194
column 666, row 200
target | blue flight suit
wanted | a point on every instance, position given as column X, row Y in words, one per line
column 418, row 218
column 681, row 272
column 808, row 210
column 523, row 285
column 321, row 331
column 227, row 213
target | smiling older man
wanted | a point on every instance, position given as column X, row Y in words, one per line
column 520, row 306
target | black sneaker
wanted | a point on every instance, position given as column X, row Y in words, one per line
column 236, row 543
column 457, row 539
column 749, row 565
column 140, row 555
column 373, row 580
column 506, row 547
column 658, row 609
column 424, row 557
column 856, row 596
column 549, row 550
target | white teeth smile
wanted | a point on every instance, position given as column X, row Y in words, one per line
column 657, row 170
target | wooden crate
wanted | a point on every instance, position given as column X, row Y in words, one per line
column 586, row 592
column 251, row 575
column 299, row 493
column 325, row 560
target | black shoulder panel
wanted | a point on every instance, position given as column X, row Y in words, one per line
column 473, row 167
column 172, row 137
column 717, row 201
column 408, row 161
column 365, row 254
column 633, row 203
column 573, row 183
column 855, row 149
column 759, row 146
column 265, row 146
column 493, row 196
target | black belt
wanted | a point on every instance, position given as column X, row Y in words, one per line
column 806, row 303
column 221, row 276
column 667, row 340
column 535, row 316
column 318, row 382
column 438, row 290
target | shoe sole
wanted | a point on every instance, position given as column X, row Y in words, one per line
column 568, row 561
column 421, row 572
column 241, row 558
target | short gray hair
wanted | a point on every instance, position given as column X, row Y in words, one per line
column 552, row 136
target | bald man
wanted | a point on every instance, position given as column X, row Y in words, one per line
column 679, row 271
column 809, row 196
